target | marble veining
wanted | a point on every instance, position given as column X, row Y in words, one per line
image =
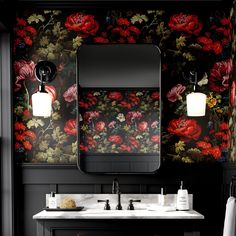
column 115, row 214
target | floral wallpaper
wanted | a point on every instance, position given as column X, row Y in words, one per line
column 124, row 121
column 188, row 41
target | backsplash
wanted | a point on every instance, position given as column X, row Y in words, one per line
column 188, row 40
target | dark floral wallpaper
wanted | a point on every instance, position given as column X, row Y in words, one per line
column 188, row 40
column 124, row 121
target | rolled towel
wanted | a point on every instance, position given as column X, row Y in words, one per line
column 230, row 217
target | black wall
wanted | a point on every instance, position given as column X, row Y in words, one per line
column 204, row 181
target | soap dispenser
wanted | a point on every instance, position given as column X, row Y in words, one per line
column 52, row 201
column 182, row 203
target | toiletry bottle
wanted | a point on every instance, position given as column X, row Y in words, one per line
column 162, row 197
column 182, row 203
column 52, row 201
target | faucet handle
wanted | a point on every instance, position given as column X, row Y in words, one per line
column 131, row 205
column 107, row 205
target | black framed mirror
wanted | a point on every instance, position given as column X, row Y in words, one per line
column 119, row 108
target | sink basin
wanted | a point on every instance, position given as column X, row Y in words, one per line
column 161, row 208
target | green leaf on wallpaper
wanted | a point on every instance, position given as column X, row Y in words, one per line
column 160, row 28
column 74, row 147
column 51, row 56
column 180, row 42
column 19, row 110
column 186, row 159
column 77, row 42
column 42, row 52
column 35, row 18
column 43, row 145
column 47, row 11
column 59, row 136
column 56, row 105
column 56, row 12
column 59, row 31
column 44, row 41
column 179, row 147
column 35, row 123
column 157, row 12
column 139, row 18
column 41, row 157
column 56, row 116
column 195, row 46
column 189, row 56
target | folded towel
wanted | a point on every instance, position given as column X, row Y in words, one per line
column 230, row 217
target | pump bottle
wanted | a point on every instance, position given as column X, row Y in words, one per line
column 182, row 199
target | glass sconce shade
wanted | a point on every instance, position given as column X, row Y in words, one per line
column 196, row 104
column 45, row 72
column 42, row 104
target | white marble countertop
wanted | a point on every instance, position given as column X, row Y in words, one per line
column 148, row 208
column 116, row 214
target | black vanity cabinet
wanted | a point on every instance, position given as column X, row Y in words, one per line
column 114, row 227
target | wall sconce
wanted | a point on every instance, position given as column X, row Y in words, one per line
column 196, row 101
column 45, row 72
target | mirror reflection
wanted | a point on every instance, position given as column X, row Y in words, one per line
column 119, row 106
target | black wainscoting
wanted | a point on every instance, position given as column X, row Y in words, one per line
column 204, row 181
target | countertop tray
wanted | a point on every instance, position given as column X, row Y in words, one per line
column 64, row 209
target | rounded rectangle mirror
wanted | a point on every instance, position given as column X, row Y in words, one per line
column 119, row 108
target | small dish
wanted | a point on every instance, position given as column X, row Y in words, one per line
column 64, row 209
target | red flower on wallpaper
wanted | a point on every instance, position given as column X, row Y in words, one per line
column 133, row 142
column 19, row 126
column 224, row 126
column 24, row 70
column 99, row 126
column 185, row 128
column 125, row 104
column 23, row 137
column 142, row 126
column 133, row 116
column 214, row 151
column 220, row 75
column 51, row 91
column 70, row 94
column 90, row 115
column 133, row 98
column 125, row 148
column 155, row 95
column 155, row 139
column 209, row 45
column 91, row 142
column 116, row 139
column 122, row 31
column 23, row 33
column 83, row 148
column 100, row 39
column 115, row 96
column 175, row 93
column 71, row 127
column 84, row 24
column 26, row 114
column 185, row 23
column 203, row 145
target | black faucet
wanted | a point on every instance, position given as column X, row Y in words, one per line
column 116, row 190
